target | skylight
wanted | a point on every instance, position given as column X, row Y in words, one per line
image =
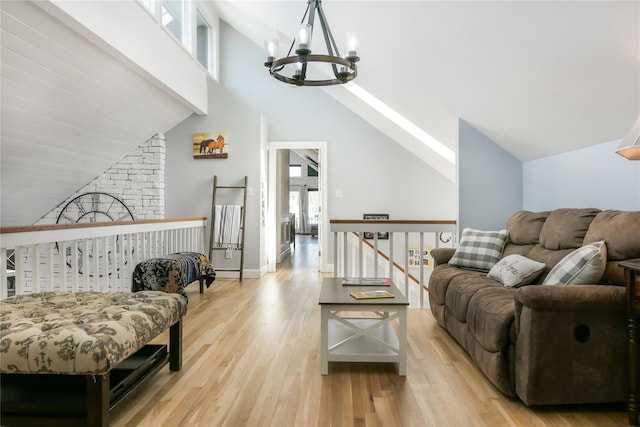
column 403, row 122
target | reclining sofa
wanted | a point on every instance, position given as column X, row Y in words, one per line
column 541, row 308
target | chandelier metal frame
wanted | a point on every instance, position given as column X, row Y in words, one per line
column 348, row 69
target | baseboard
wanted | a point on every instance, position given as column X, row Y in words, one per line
column 247, row 274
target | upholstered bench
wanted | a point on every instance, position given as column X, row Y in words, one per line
column 172, row 273
column 69, row 358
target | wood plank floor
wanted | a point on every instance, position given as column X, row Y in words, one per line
column 251, row 358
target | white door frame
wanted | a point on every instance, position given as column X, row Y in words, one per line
column 272, row 221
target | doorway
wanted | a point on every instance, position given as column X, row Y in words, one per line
column 319, row 195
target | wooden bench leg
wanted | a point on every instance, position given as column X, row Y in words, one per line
column 97, row 403
column 201, row 284
column 175, row 346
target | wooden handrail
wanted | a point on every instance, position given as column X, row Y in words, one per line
column 394, row 221
column 47, row 227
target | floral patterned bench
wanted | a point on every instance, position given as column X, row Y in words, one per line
column 62, row 335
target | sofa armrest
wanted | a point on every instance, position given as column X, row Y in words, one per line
column 442, row 255
column 563, row 332
column 572, row 297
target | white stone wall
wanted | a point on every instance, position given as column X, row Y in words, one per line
column 137, row 180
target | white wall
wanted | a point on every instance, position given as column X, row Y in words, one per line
column 159, row 57
column 490, row 181
column 591, row 177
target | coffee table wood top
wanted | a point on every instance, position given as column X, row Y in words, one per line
column 333, row 292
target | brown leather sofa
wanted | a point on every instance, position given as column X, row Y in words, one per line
column 545, row 344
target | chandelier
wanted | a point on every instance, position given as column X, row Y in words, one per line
column 292, row 69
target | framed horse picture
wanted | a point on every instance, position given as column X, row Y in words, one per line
column 210, row 146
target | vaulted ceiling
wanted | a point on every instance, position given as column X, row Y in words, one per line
column 537, row 77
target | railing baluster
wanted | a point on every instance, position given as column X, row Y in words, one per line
column 344, row 255
column 62, row 264
column 4, row 281
column 390, row 274
column 421, row 284
column 19, row 278
column 375, row 255
column 74, row 265
column 50, row 283
column 406, row 265
column 85, row 265
column 35, row 268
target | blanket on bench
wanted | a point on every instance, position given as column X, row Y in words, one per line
column 172, row 273
column 81, row 332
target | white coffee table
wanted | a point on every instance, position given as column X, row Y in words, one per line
column 354, row 330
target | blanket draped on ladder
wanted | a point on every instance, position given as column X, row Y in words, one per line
column 227, row 226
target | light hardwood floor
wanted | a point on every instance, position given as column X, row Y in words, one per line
column 251, row 358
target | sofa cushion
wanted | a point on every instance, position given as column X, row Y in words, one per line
column 524, row 227
column 620, row 230
column 462, row 288
column 479, row 249
column 516, row 270
column 582, row 266
column 491, row 317
column 566, row 228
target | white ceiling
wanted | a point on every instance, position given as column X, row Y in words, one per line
column 537, row 77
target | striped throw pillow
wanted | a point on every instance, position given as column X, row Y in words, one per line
column 584, row 266
column 480, row 250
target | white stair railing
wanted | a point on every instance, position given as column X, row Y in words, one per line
column 406, row 246
column 92, row 256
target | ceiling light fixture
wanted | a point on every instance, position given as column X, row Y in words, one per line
column 292, row 69
column 630, row 146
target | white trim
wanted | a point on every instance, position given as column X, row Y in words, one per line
column 323, row 225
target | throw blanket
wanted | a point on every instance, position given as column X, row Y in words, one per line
column 172, row 273
column 227, row 226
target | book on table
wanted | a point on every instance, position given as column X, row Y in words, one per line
column 365, row 281
column 371, row 294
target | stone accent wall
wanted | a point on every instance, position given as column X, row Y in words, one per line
column 137, row 180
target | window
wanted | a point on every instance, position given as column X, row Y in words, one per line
column 148, row 4
column 203, row 41
column 173, row 17
column 313, row 208
column 295, row 171
column 294, row 205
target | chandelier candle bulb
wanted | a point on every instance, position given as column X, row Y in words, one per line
column 352, row 45
column 304, row 39
column 271, row 47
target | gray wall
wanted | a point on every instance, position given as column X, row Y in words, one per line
column 189, row 182
column 592, row 177
column 489, row 181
